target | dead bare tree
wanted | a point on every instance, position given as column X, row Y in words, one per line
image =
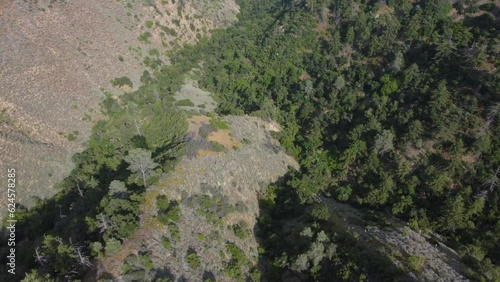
column 490, row 185
column 82, row 258
column 155, row 93
column 61, row 215
column 71, row 275
column 490, row 118
column 137, row 127
column 338, row 14
column 80, row 191
column 104, row 222
column 493, row 182
column 493, row 113
column 41, row 259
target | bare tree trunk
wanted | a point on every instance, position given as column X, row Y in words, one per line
column 41, row 259
column 80, row 192
column 144, row 178
column 83, row 259
column 61, row 215
column 155, row 93
column 137, row 127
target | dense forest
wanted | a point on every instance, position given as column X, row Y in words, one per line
column 391, row 105
column 387, row 105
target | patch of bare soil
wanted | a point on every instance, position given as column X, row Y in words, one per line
column 233, row 176
column 206, row 152
column 223, row 137
column 304, row 76
column 384, row 9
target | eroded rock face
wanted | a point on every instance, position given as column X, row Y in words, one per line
column 438, row 262
column 233, row 177
column 55, row 56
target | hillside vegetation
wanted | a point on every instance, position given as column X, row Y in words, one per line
column 57, row 59
column 391, row 107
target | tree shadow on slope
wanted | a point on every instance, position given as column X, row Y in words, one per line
column 64, row 216
column 302, row 242
column 68, row 220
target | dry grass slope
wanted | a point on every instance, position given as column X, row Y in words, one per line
column 56, row 56
column 233, row 177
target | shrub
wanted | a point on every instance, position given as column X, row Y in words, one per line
column 184, row 103
column 145, row 37
column 217, row 147
column 154, row 52
column 238, row 259
column 217, row 123
column 72, row 135
column 415, row 262
column 113, row 246
column 166, row 243
column 95, row 248
column 121, row 81
column 205, row 130
column 168, row 211
column 153, row 63
column 212, row 208
column 320, row 213
column 201, row 237
column 193, row 260
column 240, row 230
column 169, row 31
column 175, row 233
column 87, row 117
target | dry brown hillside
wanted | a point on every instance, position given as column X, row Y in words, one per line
column 57, row 57
column 216, row 191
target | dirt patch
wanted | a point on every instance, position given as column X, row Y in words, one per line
column 273, row 126
column 304, row 76
column 470, row 158
column 204, row 152
column 222, row 137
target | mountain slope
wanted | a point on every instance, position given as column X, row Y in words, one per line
column 56, row 59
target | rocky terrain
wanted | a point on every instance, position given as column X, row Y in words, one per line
column 195, row 98
column 229, row 180
column 57, row 58
column 430, row 260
